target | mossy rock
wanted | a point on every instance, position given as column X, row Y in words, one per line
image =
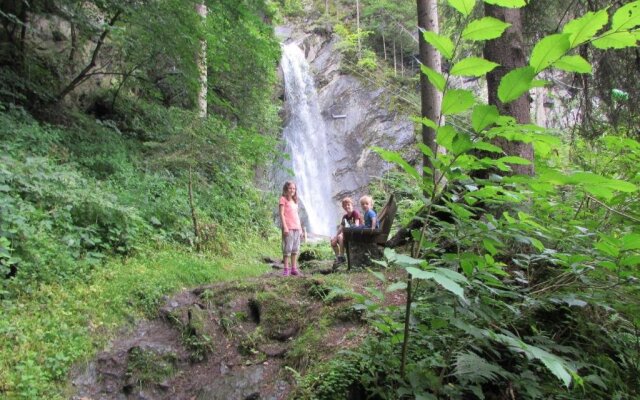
column 317, row 266
column 147, row 366
column 308, row 255
column 279, row 316
column 198, row 333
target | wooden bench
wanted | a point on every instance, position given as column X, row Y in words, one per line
column 364, row 243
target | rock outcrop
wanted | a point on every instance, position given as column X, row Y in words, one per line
column 357, row 115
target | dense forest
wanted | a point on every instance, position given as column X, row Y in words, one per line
column 136, row 140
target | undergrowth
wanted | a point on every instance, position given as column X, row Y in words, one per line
column 97, row 226
column 59, row 324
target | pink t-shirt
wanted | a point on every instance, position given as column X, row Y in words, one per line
column 291, row 217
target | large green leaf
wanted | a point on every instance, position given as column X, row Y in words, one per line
column 507, row 3
column 453, row 275
column 396, row 158
column 514, row 160
column 425, row 121
column 483, row 116
column 460, row 212
column 401, row 259
column 555, row 364
column 440, row 278
column 591, row 179
column 465, row 7
column 584, row 28
column 440, row 42
column 434, row 77
column 484, row 146
column 461, row 143
column 445, row 136
column 456, row 101
column 473, row 66
column 426, row 150
column 486, row 28
column 600, row 192
column 549, row 50
column 626, row 17
column 630, row 261
column 600, row 186
column 573, row 64
column 615, row 40
column 515, row 83
column 631, row 242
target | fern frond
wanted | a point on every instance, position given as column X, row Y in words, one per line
column 472, row 368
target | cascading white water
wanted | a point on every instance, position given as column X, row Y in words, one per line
column 306, row 142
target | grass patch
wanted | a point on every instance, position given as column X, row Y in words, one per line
column 46, row 331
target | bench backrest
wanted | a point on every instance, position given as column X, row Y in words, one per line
column 385, row 220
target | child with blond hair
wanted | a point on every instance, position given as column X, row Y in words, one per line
column 370, row 216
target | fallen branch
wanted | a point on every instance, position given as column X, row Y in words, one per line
column 613, row 210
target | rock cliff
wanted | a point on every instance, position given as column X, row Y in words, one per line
column 357, row 116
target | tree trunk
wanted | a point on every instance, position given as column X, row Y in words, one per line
column 401, row 60
column 358, row 28
column 74, row 44
column 201, row 9
column 430, row 97
column 194, row 218
column 395, row 67
column 384, row 47
column 508, row 51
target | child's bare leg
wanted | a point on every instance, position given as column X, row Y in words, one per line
column 294, row 263
column 341, row 245
column 286, row 264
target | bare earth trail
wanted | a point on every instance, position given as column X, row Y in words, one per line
column 230, row 340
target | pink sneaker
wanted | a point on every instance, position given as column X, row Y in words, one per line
column 285, row 272
column 295, row 271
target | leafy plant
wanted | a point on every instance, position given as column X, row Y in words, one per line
column 504, row 247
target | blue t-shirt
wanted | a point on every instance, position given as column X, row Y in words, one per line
column 368, row 219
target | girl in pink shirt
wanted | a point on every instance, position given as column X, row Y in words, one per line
column 291, row 228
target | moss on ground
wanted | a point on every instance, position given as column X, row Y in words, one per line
column 145, row 366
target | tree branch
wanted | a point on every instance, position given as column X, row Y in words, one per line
column 613, row 210
column 82, row 76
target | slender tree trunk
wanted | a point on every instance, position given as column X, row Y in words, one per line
column 508, row 51
column 201, row 9
column 23, row 29
column 194, row 219
column 401, row 59
column 407, row 317
column 358, row 28
column 326, row 7
column 395, row 67
column 430, row 97
column 430, row 108
column 74, row 44
column 586, row 96
column 384, row 47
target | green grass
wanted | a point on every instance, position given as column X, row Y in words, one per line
column 45, row 332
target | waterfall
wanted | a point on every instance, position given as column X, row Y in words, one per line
column 306, row 142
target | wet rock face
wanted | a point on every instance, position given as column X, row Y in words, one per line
column 356, row 116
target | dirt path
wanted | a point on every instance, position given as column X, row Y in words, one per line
column 229, row 341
